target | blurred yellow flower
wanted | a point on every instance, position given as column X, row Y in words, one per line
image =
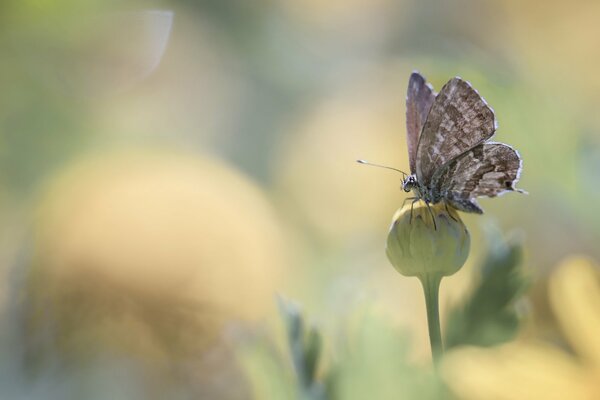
column 538, row 370
column 149, row 255
column 316, row 173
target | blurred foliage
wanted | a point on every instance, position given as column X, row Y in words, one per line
column 305, row 348
column 531, row 368
column 375, row 362
column 145, row 275
column 488, row 316
column 371, row 359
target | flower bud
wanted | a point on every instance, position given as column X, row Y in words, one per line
column 418, row 246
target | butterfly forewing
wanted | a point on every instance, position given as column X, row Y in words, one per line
column 459, row 119
column 419, row 98
column 488, row 170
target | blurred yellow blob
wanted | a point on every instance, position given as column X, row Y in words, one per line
column 535, row 370
column 575, row 299
column 168, row 246
column 317, row 174
column 573, row 33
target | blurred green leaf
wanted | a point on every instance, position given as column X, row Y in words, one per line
column 489, row 316
column 305, row 348
column 312, row 353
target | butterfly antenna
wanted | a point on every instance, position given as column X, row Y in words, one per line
column 381, row 166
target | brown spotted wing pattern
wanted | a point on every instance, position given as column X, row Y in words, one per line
column 459, row 119
column 449, row 154
column 419, row 98
column 488, row 169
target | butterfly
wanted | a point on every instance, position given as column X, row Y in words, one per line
column 450, row 156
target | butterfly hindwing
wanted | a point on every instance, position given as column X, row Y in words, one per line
column 459, row 119
column 488, row 169
column 419, row 98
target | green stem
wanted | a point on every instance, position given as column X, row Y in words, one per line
column 431, row 287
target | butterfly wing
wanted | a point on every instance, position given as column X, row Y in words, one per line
column 459, row 119
column 488, row 169
column 419, row 98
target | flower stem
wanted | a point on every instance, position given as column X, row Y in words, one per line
column 431, row 287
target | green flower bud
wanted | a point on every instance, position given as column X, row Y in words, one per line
column 418, row 247
column 429, row 243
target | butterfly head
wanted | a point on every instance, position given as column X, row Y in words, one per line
column 409, row 183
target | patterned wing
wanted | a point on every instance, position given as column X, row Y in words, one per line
column 458, row 120
column 488, row 169
column 419, row 98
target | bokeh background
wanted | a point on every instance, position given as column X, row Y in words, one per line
column 168, row 167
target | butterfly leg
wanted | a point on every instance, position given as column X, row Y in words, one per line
column 432, row 216
column 448, row 211
column 412, row 206
column 407, row 199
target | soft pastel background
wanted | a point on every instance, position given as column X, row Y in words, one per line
column 167, row 167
